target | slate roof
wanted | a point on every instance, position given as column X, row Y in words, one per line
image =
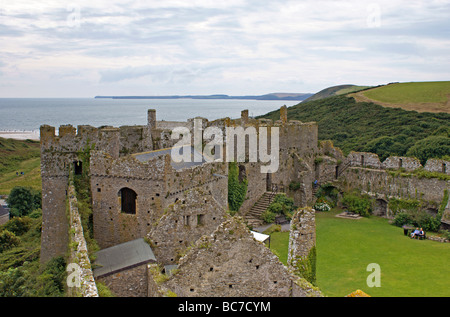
column 122, row 257
column 145, row 156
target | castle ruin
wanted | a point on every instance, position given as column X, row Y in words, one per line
column 138, row 191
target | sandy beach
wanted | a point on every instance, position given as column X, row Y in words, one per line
column 20, row 135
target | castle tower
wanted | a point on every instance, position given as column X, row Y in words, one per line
column 54, row 186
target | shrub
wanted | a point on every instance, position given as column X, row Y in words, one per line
column 402, row 218
column 268, row 216
column 357, row 203
column 276, row 208
column 8, row 240
column 282, row 205
column 23, row 200
column 427, row 222
column 18, row 225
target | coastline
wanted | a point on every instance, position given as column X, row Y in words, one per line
column 21, row 135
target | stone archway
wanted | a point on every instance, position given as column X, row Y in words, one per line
column 380, row 208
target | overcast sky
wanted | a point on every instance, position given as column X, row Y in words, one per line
column 59, row 48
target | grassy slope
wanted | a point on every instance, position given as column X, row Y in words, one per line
column 418, row 96
column 345, row 247
column 19, row 156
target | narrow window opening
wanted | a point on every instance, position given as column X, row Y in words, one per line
column 200, row 220
column 78, row 167
column 186, row 220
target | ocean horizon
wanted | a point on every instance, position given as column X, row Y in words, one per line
column 28, row 114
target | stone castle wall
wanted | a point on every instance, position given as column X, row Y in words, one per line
column 302, row 237
column 79, row 253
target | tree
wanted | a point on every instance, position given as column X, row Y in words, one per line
column 23, row 200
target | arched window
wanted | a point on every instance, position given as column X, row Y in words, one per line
column 128, row 200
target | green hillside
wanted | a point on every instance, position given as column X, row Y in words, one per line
column 335, row 91
column 365, row 126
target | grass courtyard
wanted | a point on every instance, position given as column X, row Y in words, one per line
column 345, row 247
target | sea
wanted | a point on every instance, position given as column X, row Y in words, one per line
column 28, row 114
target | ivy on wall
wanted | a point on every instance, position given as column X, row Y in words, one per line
column 306, row 267
column 237, row 190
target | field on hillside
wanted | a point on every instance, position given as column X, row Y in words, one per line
column 345, row 248
column 417, row 96
column 19, row 164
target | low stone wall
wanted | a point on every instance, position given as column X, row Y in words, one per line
column 79, row 262
column 439, row 239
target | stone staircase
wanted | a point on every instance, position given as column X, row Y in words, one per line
column 253, row 216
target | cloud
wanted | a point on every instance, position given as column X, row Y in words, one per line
column 155, row 73
column 244, row 46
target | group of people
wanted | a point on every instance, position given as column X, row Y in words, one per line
column 417, row 233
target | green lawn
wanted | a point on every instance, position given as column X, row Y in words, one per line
column 345, row 247
column 279, row 242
